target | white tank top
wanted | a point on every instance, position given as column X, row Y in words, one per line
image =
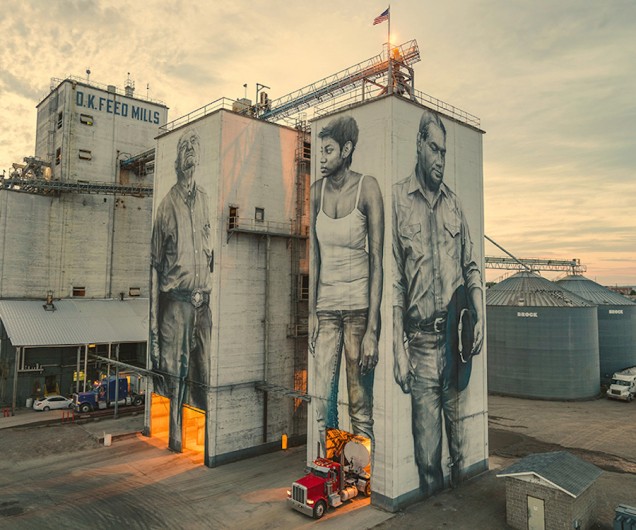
column 344, row 259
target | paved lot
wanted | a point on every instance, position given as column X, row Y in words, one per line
column 60, row 476
column 602, row 432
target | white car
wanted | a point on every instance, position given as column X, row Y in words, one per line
column 52, row 402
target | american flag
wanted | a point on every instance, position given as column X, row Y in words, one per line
column 381, row 18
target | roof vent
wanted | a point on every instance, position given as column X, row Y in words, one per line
column 49, row 302
column 129, row 88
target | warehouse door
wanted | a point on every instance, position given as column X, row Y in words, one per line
column 536, row 514
column 160, row 418
column 193, row 429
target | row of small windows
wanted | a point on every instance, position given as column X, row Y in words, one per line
column 80, row 291
column 259, row 216
column 84, row 154
column 85, row 119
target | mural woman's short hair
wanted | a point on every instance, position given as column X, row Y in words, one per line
column 342, row 130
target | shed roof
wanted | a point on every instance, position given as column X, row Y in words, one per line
column 561, row 469
column 75, row 322
column 592, row 291
column 531, row 290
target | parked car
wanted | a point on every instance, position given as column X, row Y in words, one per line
column 52, row 402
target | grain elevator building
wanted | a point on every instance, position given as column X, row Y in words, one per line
column 74, row 225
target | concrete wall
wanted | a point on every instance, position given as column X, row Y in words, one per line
column 245, row 164
column 118, row 125
column 57, row 243
column 386, row 150
column 561, row 509
column 99, row 242
column 7, row 367
column 130, row 243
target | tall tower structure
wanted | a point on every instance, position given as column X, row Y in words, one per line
column 73, row 229
column 84, row 129
column 75, row 224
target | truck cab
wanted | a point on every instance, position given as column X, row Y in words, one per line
column 329, row 483
column 623, row 386
column 318, row 489
column 104, row 394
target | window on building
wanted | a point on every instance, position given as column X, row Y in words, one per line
column 58, row 156
column 134, row 291
column 233, row 218
column 259, row 214
column 307, row 150
column 79, row 291
column 300, row 385
column 85, row 154
column 86, row 119
column 303, row 287
column 60, row 119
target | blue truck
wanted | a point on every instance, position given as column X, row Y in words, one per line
column 103, row 395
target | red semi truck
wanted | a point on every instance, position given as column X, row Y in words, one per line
column 331, row 483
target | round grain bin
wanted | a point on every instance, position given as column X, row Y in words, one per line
column 616, row 324
column 542, row 340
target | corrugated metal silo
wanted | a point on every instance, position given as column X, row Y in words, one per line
column 616, row 324
column 542, row 340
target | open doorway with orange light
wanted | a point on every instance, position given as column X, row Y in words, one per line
column 352, row 446
column 160, row 418
column 193, row 430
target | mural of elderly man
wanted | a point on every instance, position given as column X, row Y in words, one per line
column 437, row 306
column 182, row 261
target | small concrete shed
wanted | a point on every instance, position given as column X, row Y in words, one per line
column 550, row 491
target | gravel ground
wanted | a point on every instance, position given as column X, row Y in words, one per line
column 30, row 442
column 47, row 471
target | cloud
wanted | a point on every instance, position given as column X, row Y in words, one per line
column 551, row 81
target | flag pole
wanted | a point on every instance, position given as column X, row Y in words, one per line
column 390, row 85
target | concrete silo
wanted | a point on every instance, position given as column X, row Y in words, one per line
column 542, row 340
column 616, row 324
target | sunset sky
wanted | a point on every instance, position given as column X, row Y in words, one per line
column 552, row 82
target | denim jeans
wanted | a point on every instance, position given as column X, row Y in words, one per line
column 435, row 399
column 184, row 341
column 338, row 331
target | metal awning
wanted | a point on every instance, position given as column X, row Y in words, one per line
column 75, row 322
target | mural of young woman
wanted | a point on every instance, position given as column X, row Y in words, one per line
column 347, row 238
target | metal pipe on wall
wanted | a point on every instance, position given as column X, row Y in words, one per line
column 77, row 370
column 266, row 338
column 85, row 365
column 15, row 381
column 110, row 344
column 116, row 382
column 3, row 347
column 111, row 215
